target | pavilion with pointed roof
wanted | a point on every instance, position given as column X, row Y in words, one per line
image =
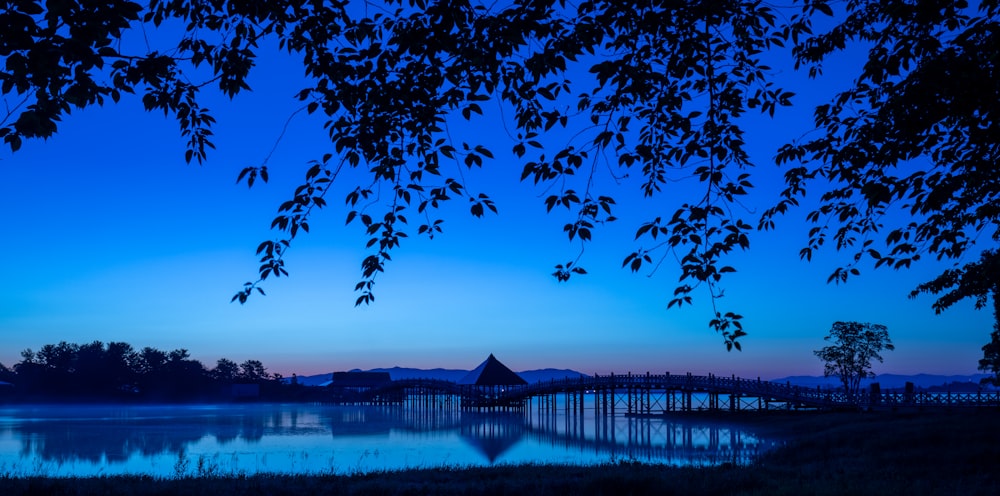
column 492, row 373
column 483, row 385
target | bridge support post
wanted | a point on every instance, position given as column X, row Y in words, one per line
column 611, row 381
column 628, row 390
column 648, row 387
column 604, row 399
column 597, row 403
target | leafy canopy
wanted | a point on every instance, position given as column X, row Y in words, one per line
column 593, row 94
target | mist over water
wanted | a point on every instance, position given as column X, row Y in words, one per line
column 171, row 441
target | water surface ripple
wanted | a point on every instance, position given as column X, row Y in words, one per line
column 171, row 441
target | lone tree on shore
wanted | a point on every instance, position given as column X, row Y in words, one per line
column 850, row 357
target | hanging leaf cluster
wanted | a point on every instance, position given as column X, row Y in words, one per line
column 650, row 95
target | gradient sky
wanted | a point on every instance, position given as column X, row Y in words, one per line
column 109, row 236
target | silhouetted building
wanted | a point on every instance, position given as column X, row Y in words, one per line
column 360, row 380
column 244, row 391
column 484, row 386
column 492, row 373
column 357, row 387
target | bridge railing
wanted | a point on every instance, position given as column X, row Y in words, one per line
column 689, row 382
column 735, row 386
column 934, row 399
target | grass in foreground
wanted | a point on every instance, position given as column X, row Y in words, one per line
column 829, row 453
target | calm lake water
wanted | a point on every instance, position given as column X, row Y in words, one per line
column 169, row 441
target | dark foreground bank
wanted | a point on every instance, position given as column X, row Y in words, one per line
column 828, row 453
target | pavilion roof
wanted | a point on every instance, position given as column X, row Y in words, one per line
column 492, row 373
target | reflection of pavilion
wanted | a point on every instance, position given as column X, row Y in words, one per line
column 484, row 386
column 492, row 433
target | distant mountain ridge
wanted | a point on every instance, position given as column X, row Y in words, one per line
column 454, row 375
column 886, row 381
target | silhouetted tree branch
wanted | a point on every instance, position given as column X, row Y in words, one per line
column 593, row 94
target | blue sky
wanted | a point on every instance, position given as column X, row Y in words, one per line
column 110, row 236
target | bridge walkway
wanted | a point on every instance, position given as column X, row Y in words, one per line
column 660, row 393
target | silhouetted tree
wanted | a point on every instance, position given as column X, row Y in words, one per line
column 850, row 356
column 225, row 370
column 58, row 357
column 991, row 354
column 56, row 365
column 150, row 361
column 121, row 364
column 115, row 371
column 28, row 370
column 253, row 371
column 657, row 93
column 6, row 374
column 183, row 378
column 89, row 375
column 980, row 281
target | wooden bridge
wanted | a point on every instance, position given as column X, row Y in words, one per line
column 649, row 394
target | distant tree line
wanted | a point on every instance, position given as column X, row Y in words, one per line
column 116, row 371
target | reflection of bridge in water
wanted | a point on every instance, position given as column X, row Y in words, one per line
column 673, row 440
column 654, row 394
column 661, row 439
